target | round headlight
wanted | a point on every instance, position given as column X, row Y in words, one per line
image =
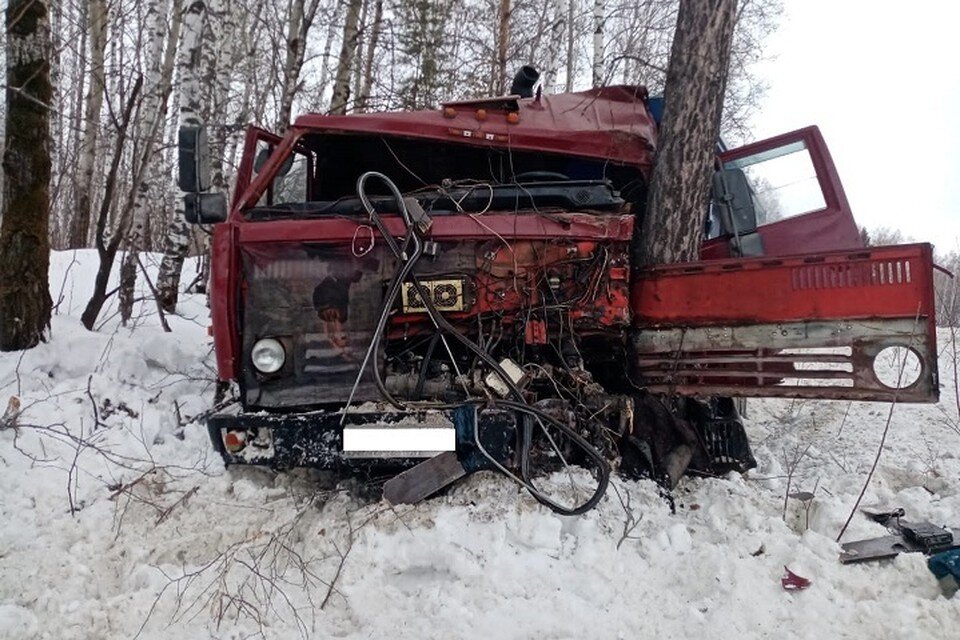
column 268, row 355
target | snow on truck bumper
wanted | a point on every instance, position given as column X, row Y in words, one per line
column 365, row 440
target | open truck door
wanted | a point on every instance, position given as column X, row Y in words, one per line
column 791, row 200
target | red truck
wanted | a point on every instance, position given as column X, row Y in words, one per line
column 440, row 291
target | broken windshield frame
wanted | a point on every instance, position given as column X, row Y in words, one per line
column 456, row 178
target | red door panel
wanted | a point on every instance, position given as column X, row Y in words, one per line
column 254, row 140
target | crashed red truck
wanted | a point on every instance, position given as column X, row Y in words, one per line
column 442, row 291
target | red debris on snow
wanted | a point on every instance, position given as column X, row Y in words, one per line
column 793, row 582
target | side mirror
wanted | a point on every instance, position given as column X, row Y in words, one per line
column 204, row 208
column 194, row 159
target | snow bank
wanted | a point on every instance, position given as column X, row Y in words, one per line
column 118, row 520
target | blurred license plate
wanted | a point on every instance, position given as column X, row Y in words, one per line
column 375, row 441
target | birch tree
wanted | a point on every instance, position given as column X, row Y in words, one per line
column 571, row 46
column 599, row 18
column 96, row 15
column 69, row 39
column 556, row 35
column 503, row 44
column 161, row 55
column 364, row 96
column 107, row 244
column 24, row 232
column 348, row 48
column 302, row 15
column 318, row 102
column 177, row 238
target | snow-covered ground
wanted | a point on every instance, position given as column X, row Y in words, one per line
column 118, row 521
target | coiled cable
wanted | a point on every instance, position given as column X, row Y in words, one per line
column 407, row 263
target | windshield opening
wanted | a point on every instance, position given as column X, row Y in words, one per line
column 320, row 178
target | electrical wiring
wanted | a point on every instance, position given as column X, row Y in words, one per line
column 364, row 250
column 408, row 262
column 603, row 469
column 408, row 254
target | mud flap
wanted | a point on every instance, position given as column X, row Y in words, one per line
column 853, row 325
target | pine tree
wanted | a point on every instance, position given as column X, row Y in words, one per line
column 423, row 33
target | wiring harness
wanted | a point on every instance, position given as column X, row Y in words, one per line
column 407, row 253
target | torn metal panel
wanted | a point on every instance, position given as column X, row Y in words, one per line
column 880, row 282
column 792, row 327
column 843, row 359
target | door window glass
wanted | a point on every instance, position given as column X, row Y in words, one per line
column 783, row 181
column 291, row 184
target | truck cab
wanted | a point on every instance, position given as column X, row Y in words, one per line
column 453, row 289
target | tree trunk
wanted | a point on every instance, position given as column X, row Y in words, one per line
column 225, row 59
column 107, row 250
column 24, row 242
column 325, row 58
column 599, row 17
column 292, row 63
column 555, row 33
column 68, row 26
column 80, row 220
column 364, row 98
column 503, row 40
column 244, row 34
column 571, row 62
column 341, row 82
column 672, row 227
column 359, row 57
column 177, row 237
column 153, row 111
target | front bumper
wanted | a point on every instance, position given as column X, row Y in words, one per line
column 316, row 439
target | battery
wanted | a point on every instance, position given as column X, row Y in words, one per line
column 929, row 536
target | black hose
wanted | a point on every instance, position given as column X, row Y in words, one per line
column 399, row 276
column 442, row 324
column 424, row 366
column 603, row 469
column 392, row 292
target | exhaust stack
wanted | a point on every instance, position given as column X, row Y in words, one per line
column 524, row 82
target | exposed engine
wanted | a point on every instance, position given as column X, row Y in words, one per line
column 526, row 311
